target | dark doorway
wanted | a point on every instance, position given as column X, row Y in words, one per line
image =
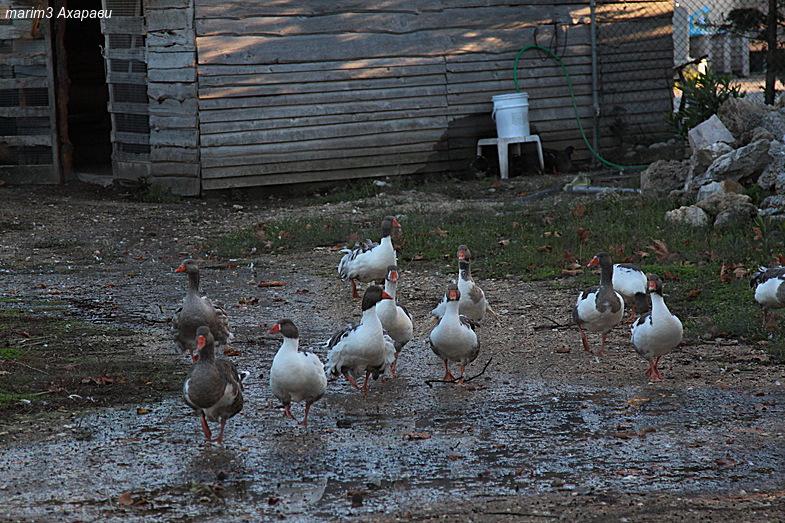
column 89, row 123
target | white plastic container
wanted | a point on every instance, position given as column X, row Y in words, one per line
column 511, row 114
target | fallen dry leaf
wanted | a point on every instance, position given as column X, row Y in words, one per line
column 757, row 234
column 660, row 249
column 625, row 434
column 228, row 351
column 579, row 211
column 583, row 234
column 693, row 294
column 271, row 283
column 142, row 410
column 99, row 380
column 415, row 436
column 725, row 463
column 545, row 248
column 740, row 273
column 439, row 232
column 125, row 499
column 637, row 401
column 731, row 271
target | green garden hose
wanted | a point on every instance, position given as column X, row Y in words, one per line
column 566, row 76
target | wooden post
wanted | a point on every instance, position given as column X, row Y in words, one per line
column 771, row 52
column 61, row 88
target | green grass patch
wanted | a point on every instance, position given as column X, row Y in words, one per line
column 538, row 243
column 9, row 353
column 10, row 398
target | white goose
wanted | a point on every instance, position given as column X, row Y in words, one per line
column 599, row 309
column 362, row 348
column 630, row 281
column 454, row 339
column 658, row 332
column 396, row 320
column 473, row 303
column 769, row 285
column 296, row 375
column 369, row 261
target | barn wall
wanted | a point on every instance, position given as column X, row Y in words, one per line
column 28, row 143
column 126, row 76
column 171, row 91
column 293, row 90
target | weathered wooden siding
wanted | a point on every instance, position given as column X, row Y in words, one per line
column 299, row 91
column 171, row 90
column 635, row 48
column 126, row 75
column 28, row 140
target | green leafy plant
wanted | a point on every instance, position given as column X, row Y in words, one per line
column 702, row 95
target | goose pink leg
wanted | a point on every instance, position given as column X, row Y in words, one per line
column 601, row 352
column 208, row 436
column 351, row 380
column 366, row 383
column 220, row 438
column 447, row 374
column 304, row 422
column 584, row 340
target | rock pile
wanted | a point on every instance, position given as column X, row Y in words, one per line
column 743, row 145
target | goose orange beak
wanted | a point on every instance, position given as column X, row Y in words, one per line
column 394, row 277
column 396, row 223
column 181, row 268
column 201, row 341
column 386, row 296
column 594, row 262
column 275, row 329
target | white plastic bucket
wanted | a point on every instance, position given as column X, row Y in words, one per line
column 511, row 114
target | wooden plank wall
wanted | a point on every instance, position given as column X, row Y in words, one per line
column 635, row 42
column 304, row 90
column 298, row 90
column 171, row 90
column 126, row 76
column 28, row 143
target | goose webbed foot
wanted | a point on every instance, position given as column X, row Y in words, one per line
column 447, row 374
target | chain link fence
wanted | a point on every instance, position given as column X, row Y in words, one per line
column 642, row 47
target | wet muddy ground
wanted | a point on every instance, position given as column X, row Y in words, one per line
column 545, row 433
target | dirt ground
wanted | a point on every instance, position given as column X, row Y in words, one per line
column 546, row 433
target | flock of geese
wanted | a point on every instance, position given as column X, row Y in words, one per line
column 370, row 348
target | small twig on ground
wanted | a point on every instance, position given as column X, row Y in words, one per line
column 554, row 324
column 29, row 367
column 456, row 380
